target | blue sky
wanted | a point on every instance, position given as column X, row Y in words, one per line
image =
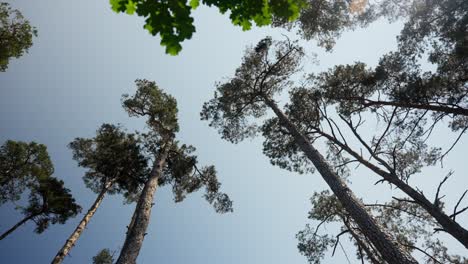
column 86, row 57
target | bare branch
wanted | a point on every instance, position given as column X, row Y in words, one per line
column 455, row 213
column 437, row 199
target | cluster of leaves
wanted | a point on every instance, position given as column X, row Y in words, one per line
column 435, row 30
column 112, row 156
column 325, row 20
column 185, row 177
column 20, row 164
column 104, row 257
column 240, row 101
column 172, row 19
column 158, row 106
column 50, row 203
column 27, row 167
column 16, row 34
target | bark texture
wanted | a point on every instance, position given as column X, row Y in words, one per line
column 140, row 220
column 388, row 248
column 81, row 226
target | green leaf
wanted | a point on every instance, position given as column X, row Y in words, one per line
column 173, row 49
column 115, row 5
column 194, row 3
column 131, row 7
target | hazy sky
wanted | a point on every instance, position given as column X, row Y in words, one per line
column 86, row 57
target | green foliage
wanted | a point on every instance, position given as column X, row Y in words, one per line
column 282, row 149
column 410, row 225
column 50, row 203
column 112, row 156
column 313, row 245
column 181, row 170
column 239, row 105
column 16, row 35
column 435, row 30
column 238, row 102
column 21, row 164
column 159, row 107
column 172, row 19
column 104, row 257
column 185, row 177
column 27, row 166
column 325, row 20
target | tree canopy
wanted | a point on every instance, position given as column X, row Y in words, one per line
column 27, row 166
column 181, row 171
column 411, row 225
column 21, row 164
column 173, row 163
column 16, row 34
column 103, row 257
column 172, row 19
column 240, row 102
column 112, row 156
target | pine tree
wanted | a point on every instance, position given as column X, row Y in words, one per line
column 115, row 165
column 410, row 224
column 27, row 166
column 174, row 163
column 103, row 257
column 16, row 34
column 409, row 101
column 250, row 93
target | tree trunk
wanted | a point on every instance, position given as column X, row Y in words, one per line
column 448, row 224
column 389, row 249
column 140, row 220
column 81, row 226
column 9, row 231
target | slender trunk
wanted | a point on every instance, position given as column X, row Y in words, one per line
column 389, row 250
column 9, row 231
column 81, row 226
column 140, row 220
column 448, row 224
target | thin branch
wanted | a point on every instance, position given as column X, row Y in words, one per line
column 437, row 199
column 338, row 240
column 455, row 213
column 422, row 251
column 386, row 129
column 454, row 143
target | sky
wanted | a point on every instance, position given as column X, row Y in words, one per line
column 71, row 82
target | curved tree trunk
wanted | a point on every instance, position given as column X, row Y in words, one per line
column 446, row 222
column 383, row 242
column 141, row 217
column 9, row 231
column 81, row 226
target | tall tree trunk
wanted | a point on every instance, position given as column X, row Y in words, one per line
column 9, row 231
column 81, row 226
column 446, row 222
column 140, row 220
column 383, row 242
